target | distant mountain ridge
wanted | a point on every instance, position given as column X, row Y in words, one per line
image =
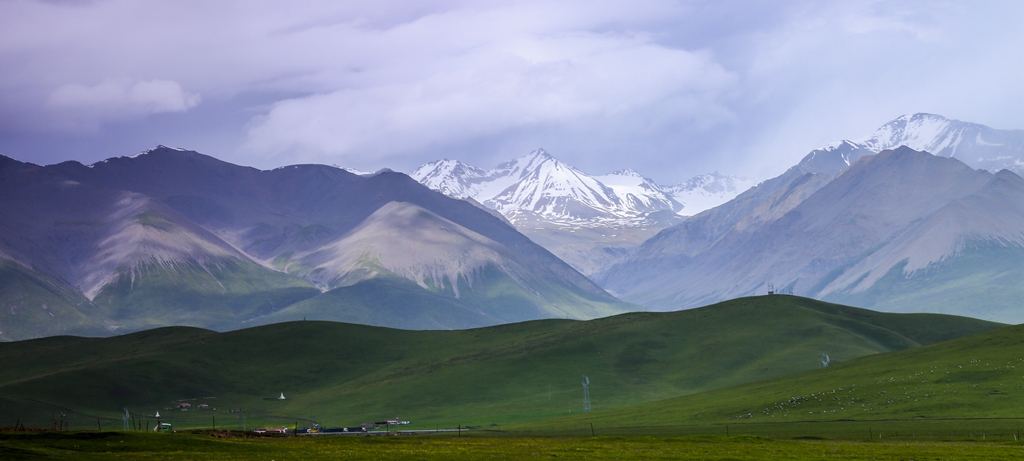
column 540, row 189
column 174, row 237
column 897, row 230
column 978, row 146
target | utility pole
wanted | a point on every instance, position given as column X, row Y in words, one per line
column 586, row 394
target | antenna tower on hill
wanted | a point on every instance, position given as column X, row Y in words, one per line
column 586, row 394
column 125, row 418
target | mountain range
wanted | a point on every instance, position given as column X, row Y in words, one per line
column 861, row 223
column 174, row 237
column 978, row 146
column 540, row 190
column 587, row 221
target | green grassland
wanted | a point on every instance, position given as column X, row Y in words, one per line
column 136, row 446
column 344, row 374
column 969, row 385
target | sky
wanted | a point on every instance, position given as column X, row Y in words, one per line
column 671, row 89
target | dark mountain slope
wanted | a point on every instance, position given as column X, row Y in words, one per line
column 102, row 260
column 172, row 237
column 294, row 208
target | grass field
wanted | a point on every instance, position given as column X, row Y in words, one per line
column 342, row 374
column 734, row 381
column 130, row 446
column 964, row 386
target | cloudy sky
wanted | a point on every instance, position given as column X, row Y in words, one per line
column 669, row 88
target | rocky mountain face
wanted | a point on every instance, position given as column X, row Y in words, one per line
column 588, row 221
column 176, row 237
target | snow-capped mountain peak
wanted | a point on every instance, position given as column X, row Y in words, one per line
column 549, row 187
column 450, row 177
column 628, row 173
column 924, row 132
column 978, row 146
column 523, row 166
column 538, row 187
column 834, row 157
column 706, row 191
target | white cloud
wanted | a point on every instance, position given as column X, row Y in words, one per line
column 508, row 85
column 89, row 106
column 681, row 87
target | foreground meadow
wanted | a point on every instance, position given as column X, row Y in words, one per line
column 134, row 446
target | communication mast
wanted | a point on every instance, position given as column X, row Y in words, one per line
column 586, row 394
column 125, row 418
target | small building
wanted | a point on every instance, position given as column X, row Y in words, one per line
column 184, row 406
column 203, row 406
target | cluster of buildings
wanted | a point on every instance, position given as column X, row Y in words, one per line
column 185, row 406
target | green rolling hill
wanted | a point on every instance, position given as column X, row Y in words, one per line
column 973, row 378
column 338, row 373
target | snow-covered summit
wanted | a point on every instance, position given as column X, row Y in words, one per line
column 354, row 171
column 706, row 191
column 924, row 132
column 978, row 146
column 159, row 147
column 538, row 188
column 450, row 177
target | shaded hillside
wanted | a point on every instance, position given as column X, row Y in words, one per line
column 97, row 260
column 343, row 373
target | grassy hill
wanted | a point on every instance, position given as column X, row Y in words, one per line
column 959, row 383
column 339, row 373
